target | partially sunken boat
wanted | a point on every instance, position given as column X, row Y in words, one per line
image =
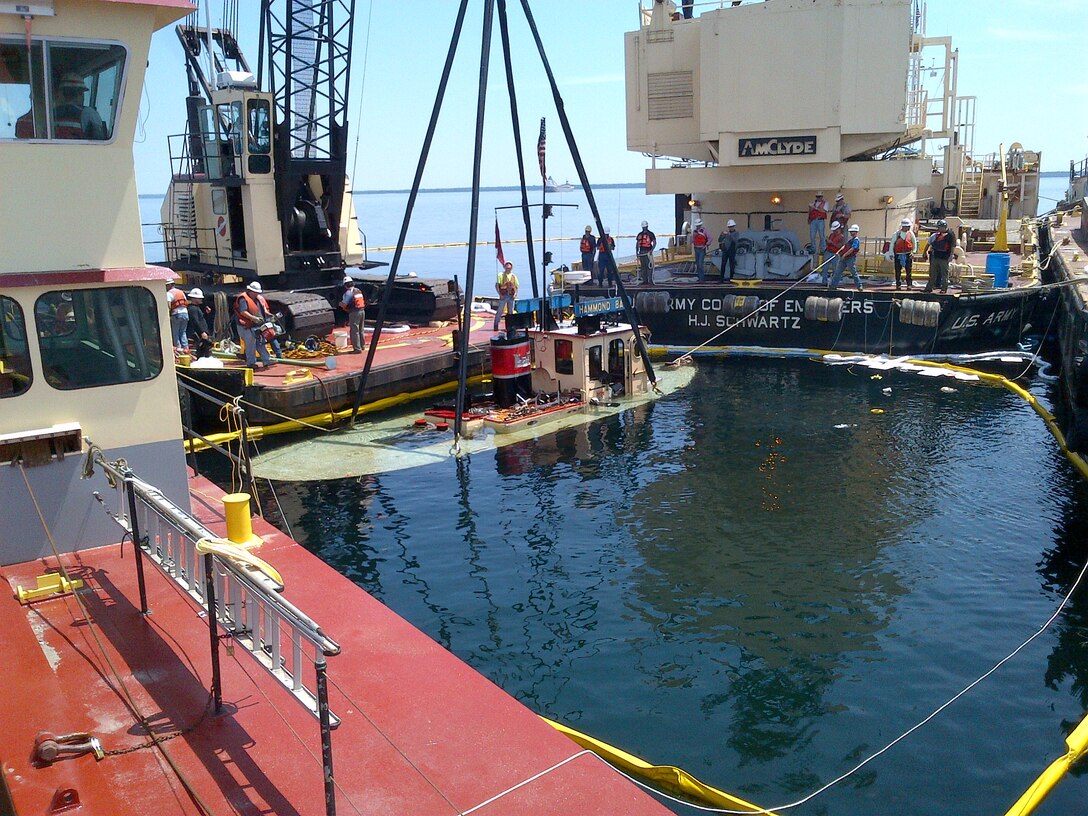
column 542, row 379
column 743, row 130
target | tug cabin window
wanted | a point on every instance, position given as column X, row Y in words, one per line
column 564, row 357
column 596, row 370
column 617, row 359
column 94, row 337
column 60, row 91
column 15, row 374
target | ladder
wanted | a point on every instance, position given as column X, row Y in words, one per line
column 971, row 190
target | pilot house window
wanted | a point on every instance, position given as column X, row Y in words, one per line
column 92, row 337
column 564, row 357
column 14, row 352
column 60, row 91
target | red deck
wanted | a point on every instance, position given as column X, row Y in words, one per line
column 421, row 733
column 394, row 348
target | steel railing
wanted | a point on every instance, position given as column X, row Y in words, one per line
column 240, row 598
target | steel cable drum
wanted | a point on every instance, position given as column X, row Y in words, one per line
column 779, row 246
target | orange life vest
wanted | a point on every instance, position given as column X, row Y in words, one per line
column 904, row 242
column 942, row 244
column 587, row 244
column 644, row 240
column 605, row 243
column 258, row 307
column 835, row 241
column 357, row 301
column 700, row 238
column 816, row 213
column 178, row 301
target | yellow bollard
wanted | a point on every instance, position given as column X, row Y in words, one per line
column 239, row 521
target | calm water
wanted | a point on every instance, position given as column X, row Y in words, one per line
column 728, row 582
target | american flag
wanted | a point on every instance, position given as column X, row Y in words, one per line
column 498, row 245
column 540, row 145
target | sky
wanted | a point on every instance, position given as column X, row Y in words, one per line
column 1018, row 57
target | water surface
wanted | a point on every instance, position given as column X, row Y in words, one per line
column 758, row 579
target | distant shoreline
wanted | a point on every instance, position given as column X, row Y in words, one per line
column 461, row 189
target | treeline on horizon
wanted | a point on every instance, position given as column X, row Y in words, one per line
column 455, row 189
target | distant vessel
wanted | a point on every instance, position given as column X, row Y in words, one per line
column 880, row 127
column 550, row 186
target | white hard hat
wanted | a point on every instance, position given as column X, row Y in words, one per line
column 347, row 279
column 698, row 222
column 254, row 286
column 645, row 224
column 905, row 222
column 196, row 293
column 730, row 223
column 835, row 225
column 819, row 195
column 838, row 196
column 608, row 230
column 855, row 228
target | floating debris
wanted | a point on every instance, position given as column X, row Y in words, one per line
column 886, row 391
column 947, row 389
column 876, row 410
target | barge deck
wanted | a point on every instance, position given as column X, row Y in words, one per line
column 406, row 361
column 420, row 732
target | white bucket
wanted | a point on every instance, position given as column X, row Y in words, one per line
column 340, row 338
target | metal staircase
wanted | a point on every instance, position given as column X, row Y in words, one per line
column 971, row 185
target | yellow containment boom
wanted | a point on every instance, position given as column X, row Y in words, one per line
column 660, row 777
column 1077, row 743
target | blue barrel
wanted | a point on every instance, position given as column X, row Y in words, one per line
column 997, row 264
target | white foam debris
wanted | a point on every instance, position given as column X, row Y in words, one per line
column 947, row 389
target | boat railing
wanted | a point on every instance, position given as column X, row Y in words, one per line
column 240, row 593
column 646, row 7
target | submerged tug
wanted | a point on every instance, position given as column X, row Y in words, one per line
column 546, row 373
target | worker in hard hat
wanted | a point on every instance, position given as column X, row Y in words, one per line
column 588, row 248
column 835, row 241
column 200, row 341
column 645, row 243
column 903, row 245
column 727, row 245
column 606, row 245
column 817, row 220
column 700, row 239
column 254, row 318
column 847, row 256
column 506, row 284
column 941, row 246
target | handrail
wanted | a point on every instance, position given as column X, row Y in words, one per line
column 246, row 601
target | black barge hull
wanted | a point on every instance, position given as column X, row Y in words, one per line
column 870, row 321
